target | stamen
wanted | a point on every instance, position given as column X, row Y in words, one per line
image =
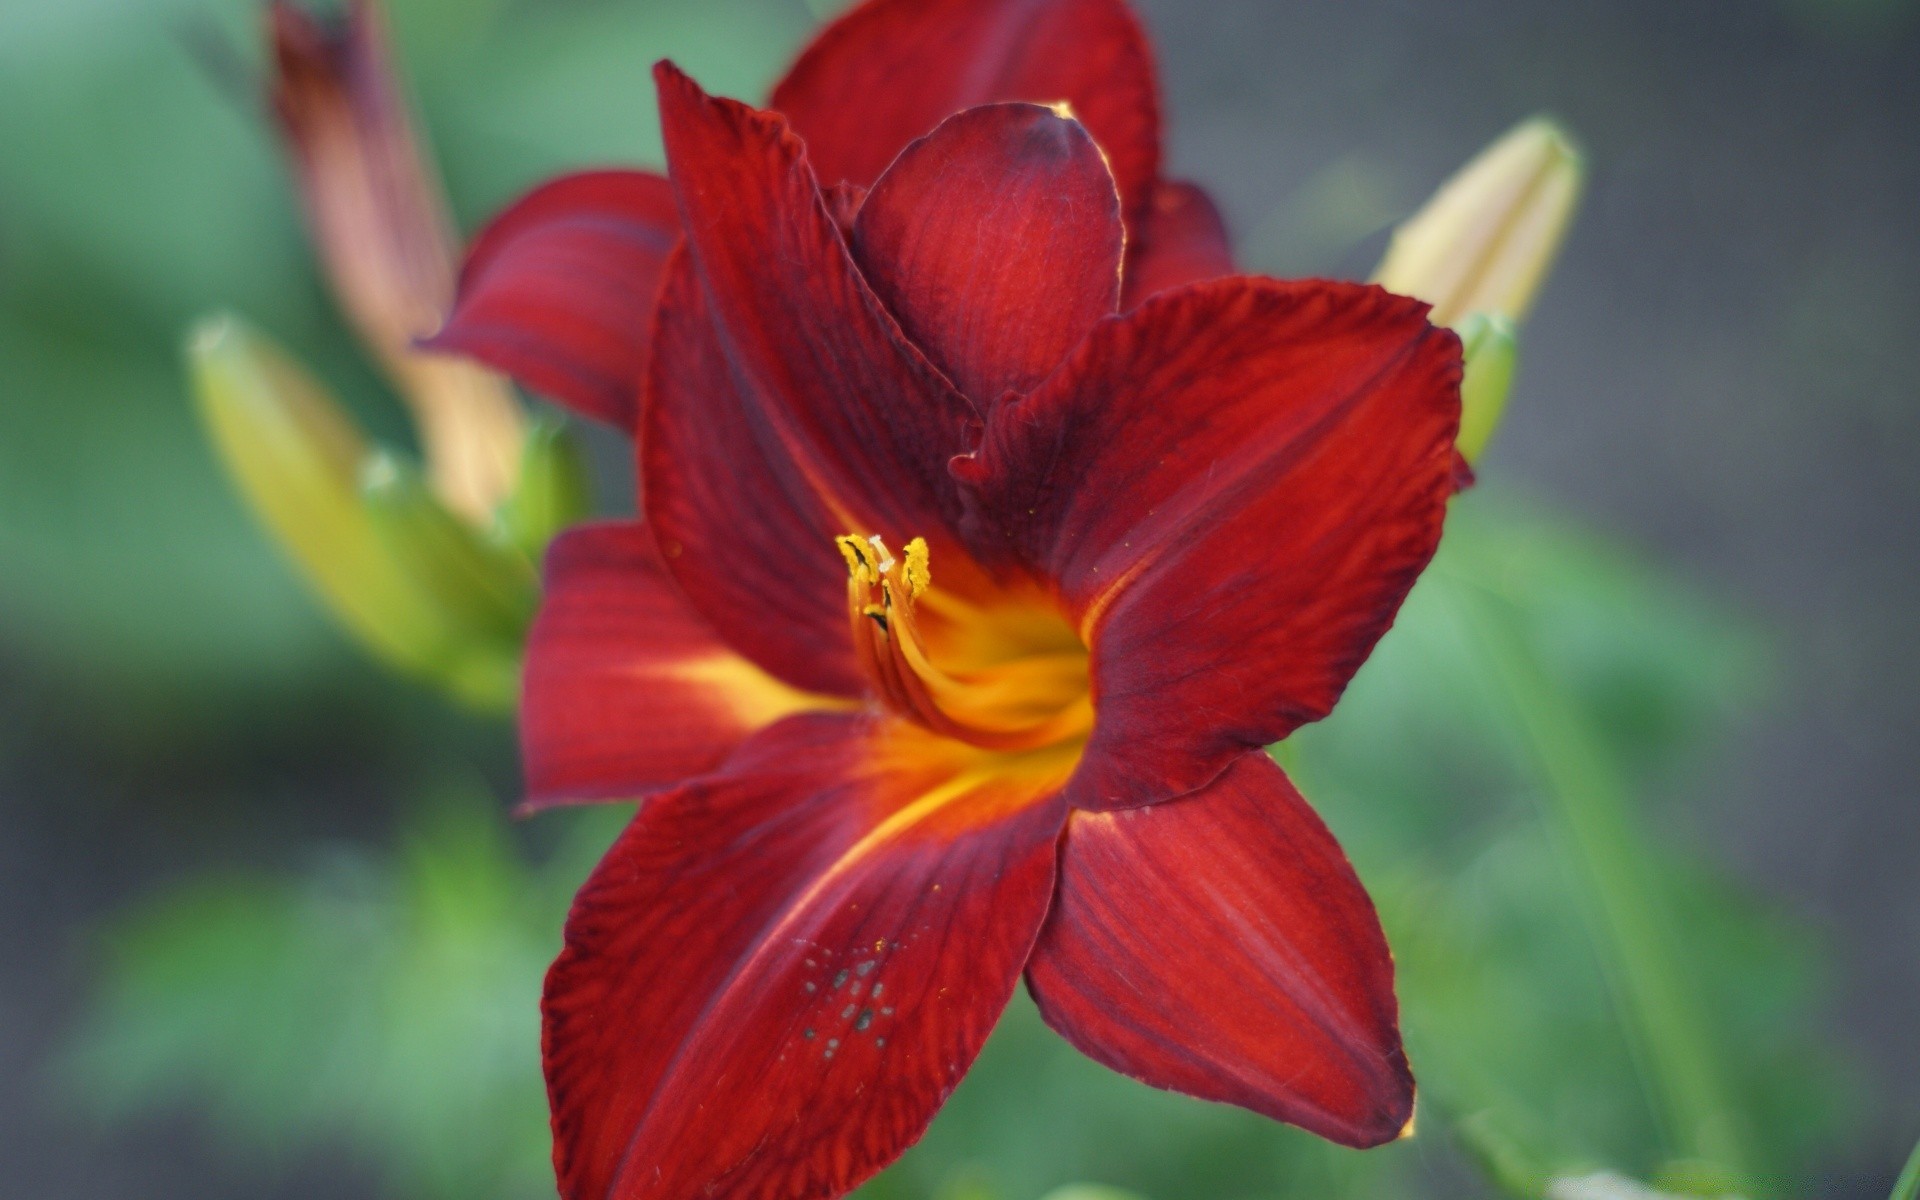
column 1021, row 703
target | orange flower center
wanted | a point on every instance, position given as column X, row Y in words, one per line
column 1007, row 673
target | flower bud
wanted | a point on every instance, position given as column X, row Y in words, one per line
column 298, row 459
column 1486, row 239
column 1491, row 352
column 296, row 456
column 379, row 221
column 485, row 590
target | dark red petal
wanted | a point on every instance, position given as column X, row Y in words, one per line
column 1220, row 945
column 835, row 383
column 775, row 977
column 743, row 528
column 784, row 405
column 626, row 689
column 995, row 241
column 890, row 70
column 1233, row 487
column 843, row 204
column 1181, row 239
column 558, row 290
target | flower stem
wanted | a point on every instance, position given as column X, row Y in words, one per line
column 1907, row 1187
column 1590, row 806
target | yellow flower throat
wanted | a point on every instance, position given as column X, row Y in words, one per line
column 1006, row 675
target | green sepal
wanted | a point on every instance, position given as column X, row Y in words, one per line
column 553, row 490
column 484, row 591
column 1492, row 351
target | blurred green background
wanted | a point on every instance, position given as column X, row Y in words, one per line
column 266, row 932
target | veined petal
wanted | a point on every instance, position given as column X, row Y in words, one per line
column 742, row 525
column 890, row 70
column 626, row 689
column 1181, row 239
column 776, row 976
column 837, row 385
column 558, row 290
column 784, row 406
column 995, row 242
column 1233, row 486
column 1220, row 945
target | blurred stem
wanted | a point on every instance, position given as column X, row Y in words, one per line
column 1907, row 1187
column 1591, row 807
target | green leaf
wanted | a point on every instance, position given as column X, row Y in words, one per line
column 1422, row 774
column 387, row 999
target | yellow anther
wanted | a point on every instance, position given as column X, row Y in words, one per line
column 860, row 564
column 919, row 573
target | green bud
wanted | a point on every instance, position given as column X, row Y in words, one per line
column 1492, row 352
column 484, row 592
column 552, row 492
column 297, row 458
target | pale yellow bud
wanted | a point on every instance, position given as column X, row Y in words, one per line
column 1486, row 240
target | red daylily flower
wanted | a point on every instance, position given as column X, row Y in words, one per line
column 559, row 289
column 965, row 602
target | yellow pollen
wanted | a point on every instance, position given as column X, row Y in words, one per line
column 918, row 570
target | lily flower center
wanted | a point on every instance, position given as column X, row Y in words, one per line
column 1007, row 675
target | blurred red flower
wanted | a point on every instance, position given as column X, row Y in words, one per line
column 983, row 553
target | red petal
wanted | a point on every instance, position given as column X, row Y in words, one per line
column 1180, row 240
column 744, row 530
column 775, row 977
column 839, row 388
column 558, row 290
column 1233, row 486
column 1220, row 945
column 995, row 241
column 784, row 406
column 626, row 688
column 890, row 70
